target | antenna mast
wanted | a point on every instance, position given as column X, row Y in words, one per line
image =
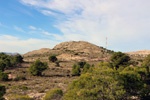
column 106, row 46
column 106, row 43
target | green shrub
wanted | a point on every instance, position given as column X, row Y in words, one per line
column 18, row 59
column 9, row 61
column 57, row 64
column 131, row 81
column 76, row 54
column 2, row 92
column 119, row 59
column 54, row 94
column 86, row 68
column 24, row 88
column 52, row 58
column 20, row 77
column 37, row 68
column 76, row 70
column 81, row 64
column 2, row 66
column 3, row 76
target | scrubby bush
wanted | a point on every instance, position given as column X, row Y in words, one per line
column 37, row 68
column 76, row 70
column 10, row 61
column 86, row 68
column 57, row 64
column 24, row 88
column 20, row 77
column 76, row 54
column 18, row 59
column 119, row 59
column 3, row 76
column 2, row 92
column 2, row 66
column 54, row 94
column 146, row 63
column 52, row 58
column 81, row 64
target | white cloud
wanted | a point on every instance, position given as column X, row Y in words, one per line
column 10, row 43
column 32, row 27
column 47, row 12
column 56, row 36
column 18, row 29
column 44, row 33
column 8, row 37
column 123, row 21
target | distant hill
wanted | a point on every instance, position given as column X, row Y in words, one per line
column 142, row 53
column 8, row 53
column 73, row 50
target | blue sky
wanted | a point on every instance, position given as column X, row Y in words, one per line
column 27, row 25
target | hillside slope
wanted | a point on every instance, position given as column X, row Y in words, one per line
column 73, row 50
column 142, row 53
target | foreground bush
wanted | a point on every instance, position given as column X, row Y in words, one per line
column 37, row 68
column 54, row 94
column 106, row 83
column 100, row 84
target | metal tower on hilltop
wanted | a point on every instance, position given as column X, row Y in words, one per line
column 106, row 47
column 106, row 43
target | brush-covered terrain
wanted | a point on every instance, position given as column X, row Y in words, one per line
column 74, row 71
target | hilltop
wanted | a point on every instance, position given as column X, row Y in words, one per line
column 73, row 50
column 142, row 53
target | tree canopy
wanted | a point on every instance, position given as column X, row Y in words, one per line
column 52, row 58
column 37, row 68
column 119, row 59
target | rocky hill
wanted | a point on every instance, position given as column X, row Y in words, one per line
column 142, row 53
column 73, row 50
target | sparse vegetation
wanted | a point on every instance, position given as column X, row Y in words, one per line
column 20, row 97
column 20, row 77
